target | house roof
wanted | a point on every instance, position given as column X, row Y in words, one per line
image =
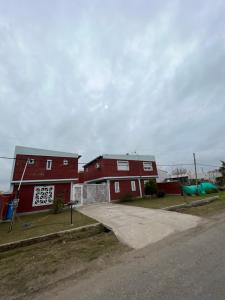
column 43, row 152
column 124, row 157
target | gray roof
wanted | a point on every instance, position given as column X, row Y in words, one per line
column 124, row 157
column 129, row 157
column 42, row 152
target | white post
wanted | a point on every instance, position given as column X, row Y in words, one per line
column 140, row 189
column 109, row 194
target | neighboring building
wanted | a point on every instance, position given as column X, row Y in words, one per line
column 48, row 174
column 162, row 176
column 123, row 173
column 214, row 176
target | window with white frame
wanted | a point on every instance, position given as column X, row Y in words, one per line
column 133, row 186
column 122, row 165
column 49, row 164
column 117, row 186
column 65, row 162
column 43, row 195
column 147, row 165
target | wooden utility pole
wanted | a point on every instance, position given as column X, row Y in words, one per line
column 196, row 176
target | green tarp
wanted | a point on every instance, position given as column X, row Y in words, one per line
column 201, row 188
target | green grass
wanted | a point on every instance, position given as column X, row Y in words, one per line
column 41, row 223
column 159, row 203
column 208, row 209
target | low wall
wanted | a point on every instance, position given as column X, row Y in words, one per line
column 170, row 188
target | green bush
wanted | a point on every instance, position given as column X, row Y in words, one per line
column 150, row 188
column 58, row 204
column 127, row 197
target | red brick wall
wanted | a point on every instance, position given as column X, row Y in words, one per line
column 125, row 187
column 38, row 170
column 27, row 191
column 108, row 168
column 170, row 188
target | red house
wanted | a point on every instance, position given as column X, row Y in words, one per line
column 123, row 173
column 46, row 174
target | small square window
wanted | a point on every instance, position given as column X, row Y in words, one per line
column 65, row 162
column 30, row 161
column 117, row 186
column 49, row 164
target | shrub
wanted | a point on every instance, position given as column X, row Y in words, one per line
column 58, row 204
column 150, row 188
column 161, row 194
column 127, row 197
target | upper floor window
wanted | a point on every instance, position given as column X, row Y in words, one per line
column 122, row 165
column 147, row 165
column 65, row 162
column 49, row 164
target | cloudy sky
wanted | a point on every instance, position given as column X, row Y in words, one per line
column 113, row 76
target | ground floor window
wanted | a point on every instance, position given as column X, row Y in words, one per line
column 43, row 195
column 133, row 186
column 117, row 186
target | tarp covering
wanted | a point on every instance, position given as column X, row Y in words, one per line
column 201, row 188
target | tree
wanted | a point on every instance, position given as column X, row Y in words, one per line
column 150, row 187
column 179, row 171
column 222, row 170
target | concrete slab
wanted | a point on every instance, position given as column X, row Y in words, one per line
column 136, row 226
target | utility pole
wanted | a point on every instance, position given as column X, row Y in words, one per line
column 196, row 177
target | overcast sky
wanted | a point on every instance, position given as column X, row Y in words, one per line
column 113, row 76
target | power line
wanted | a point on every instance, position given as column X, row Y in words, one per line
column 108, row 164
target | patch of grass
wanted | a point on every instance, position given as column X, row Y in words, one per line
column 27, row 270
column 210, row 209
column 158, row 203
column 41, row 223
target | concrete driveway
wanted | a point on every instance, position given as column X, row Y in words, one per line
column 136, row 226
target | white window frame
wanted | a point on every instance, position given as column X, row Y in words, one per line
column 65, row 162
column 48, row 164
column 147, row 166
column 123, row 165
column 39, row 192
column 117, row 186
column 133, row 185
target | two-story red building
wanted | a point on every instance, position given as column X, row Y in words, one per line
column 123, row 173
column 47, row 174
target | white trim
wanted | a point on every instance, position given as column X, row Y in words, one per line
column 120, row 178
column 147, row 166
column 46, row 180
column 133, row 185
column 109, row 193
column 123, row 165
column 140, row 188
column 48, row 164
column 43, row 187
column 117, row 187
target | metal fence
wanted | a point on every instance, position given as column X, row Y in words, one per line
column 85, row 194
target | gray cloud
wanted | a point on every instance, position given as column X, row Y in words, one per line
column 114, row 76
